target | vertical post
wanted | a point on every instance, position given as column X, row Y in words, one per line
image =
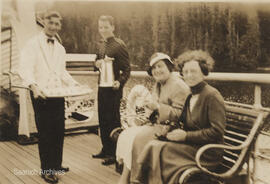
column 257, row 96
column 10, row 49
column 10, row 56
column 255, row 155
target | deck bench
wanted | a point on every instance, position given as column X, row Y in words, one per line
column 242, row 128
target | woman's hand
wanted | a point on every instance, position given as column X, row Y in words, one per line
column 177, row 135
column 151, row 104
column 162, row 130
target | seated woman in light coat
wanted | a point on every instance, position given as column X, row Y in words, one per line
column 161, row 162
column 168, row 97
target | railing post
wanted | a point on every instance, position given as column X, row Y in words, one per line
column 257, row 96
column 255, row 156
column 10, row 56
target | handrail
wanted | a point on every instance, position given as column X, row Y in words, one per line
column 253, row 78
column 257, row 78
column 217, row 76
column 80, row 57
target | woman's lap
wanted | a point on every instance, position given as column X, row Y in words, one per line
column 125, row 143
column 177, row 157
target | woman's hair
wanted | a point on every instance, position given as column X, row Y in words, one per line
column 169, row 65
column 206, row 62
column 107, row 18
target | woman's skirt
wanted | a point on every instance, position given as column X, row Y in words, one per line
column 125, row 143
column 163, row 162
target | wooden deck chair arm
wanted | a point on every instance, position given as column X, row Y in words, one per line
column 228, row 173
column 243, row 148
column 11, row 75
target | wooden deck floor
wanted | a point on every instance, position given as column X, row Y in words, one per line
column 20, row 164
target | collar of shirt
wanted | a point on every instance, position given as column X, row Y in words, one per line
column 198, row 88
column 47, row 37
column 110, row 39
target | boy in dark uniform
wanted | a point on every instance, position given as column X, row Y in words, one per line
column 113, row 65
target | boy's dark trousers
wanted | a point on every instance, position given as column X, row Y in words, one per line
column 109, row 116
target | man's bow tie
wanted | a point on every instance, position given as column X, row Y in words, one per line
column 49, row 40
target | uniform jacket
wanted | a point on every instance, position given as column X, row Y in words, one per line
column 37, row 65
column 115, row 48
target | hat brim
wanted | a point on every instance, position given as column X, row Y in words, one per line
column 158, row 58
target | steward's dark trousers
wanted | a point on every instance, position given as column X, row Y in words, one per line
column 50, row 123
column 109, row 116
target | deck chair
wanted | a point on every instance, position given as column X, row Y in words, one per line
column 26, row 117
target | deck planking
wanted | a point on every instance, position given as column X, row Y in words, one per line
column 16, row 159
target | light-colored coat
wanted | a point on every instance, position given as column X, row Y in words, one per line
column 171, row 97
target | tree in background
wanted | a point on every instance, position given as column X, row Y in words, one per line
column 264, row 29
column 248, row 51
column 236, row 37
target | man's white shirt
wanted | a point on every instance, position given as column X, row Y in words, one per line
column 106, row 74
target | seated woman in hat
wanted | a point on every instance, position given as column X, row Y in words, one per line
column 168, row 97
column 204, row 122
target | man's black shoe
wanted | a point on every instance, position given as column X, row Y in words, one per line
column 100, row 155
column 50, row 178
column 109, row 161
column 63, row 169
